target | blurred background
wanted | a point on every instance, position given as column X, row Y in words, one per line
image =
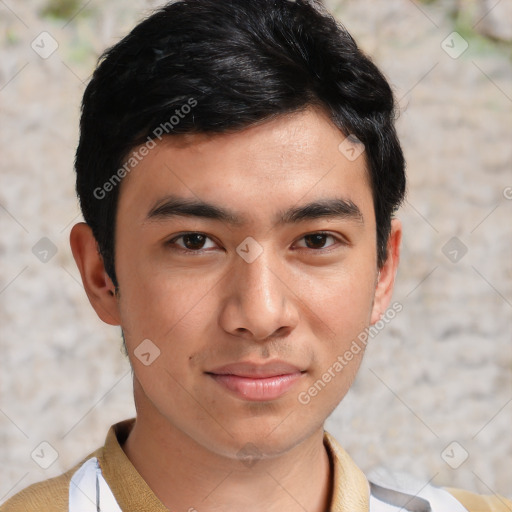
column 434, row 394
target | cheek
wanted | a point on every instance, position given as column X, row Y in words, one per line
column 174, row 314
column 340, row 298
column 178, row 311
column 343, row 305
column 156, row 302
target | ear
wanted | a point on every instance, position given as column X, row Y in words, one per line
column 386, row 278
column 97, row 284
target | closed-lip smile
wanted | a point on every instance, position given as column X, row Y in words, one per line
column 257, row 381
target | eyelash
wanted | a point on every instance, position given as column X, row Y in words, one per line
column 172, row 242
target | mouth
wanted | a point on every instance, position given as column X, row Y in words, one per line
column 257, row 382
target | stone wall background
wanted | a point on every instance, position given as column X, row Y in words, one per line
column 439, row 373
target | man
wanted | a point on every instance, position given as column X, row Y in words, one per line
column 238, row 171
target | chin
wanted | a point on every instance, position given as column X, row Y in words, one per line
column 262, row 438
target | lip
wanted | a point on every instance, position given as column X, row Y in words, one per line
column 256, row 370
column 257, row 382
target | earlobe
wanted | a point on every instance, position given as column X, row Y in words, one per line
column 386, row 275
column 97, row 284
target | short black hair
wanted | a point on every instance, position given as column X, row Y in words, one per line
column 218, row 66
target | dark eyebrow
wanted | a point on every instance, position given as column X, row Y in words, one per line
column 330, row 208
column 173, row 206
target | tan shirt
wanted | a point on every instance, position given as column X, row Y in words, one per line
column 351, row 491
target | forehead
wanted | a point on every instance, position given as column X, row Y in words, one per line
column 285, row 160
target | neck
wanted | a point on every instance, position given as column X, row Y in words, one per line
column 186, row 475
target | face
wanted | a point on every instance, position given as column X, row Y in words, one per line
column 234, row 311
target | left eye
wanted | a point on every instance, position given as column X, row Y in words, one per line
column 317, row 240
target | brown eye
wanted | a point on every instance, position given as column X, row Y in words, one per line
column 193, row 242
column 316, row 241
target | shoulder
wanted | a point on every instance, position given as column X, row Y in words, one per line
column 479, row 502
column 50, row 495
column 404, row 492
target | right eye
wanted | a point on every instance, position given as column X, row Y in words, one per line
column 191, row 242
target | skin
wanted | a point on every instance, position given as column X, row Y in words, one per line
column 298, row 301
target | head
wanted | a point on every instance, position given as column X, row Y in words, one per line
column 238, row 170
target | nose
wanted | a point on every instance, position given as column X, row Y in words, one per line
column 258, row 303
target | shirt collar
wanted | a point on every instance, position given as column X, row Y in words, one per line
column 350, row 488
column 129, row 488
